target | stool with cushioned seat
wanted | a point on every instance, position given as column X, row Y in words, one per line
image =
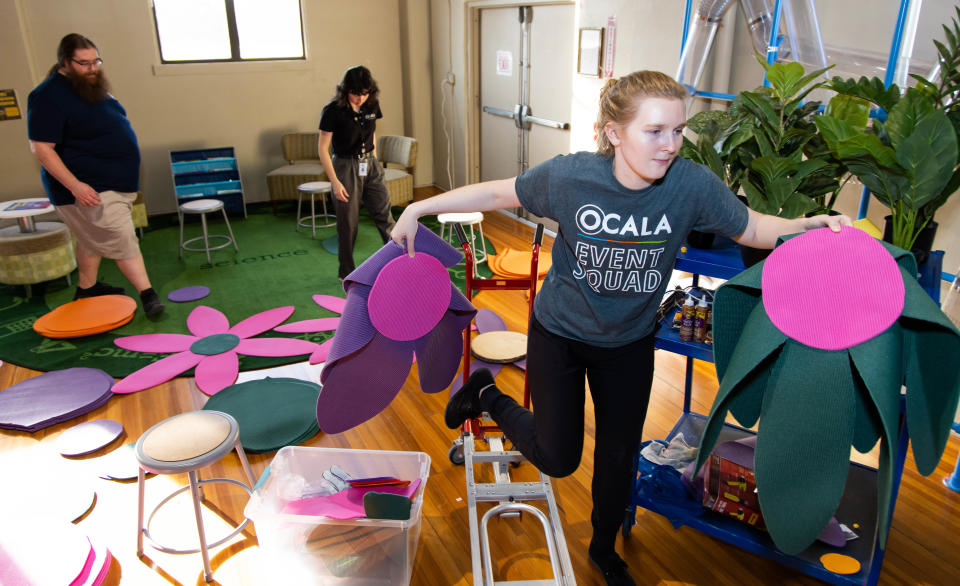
column 28, row 258
column 186, row 443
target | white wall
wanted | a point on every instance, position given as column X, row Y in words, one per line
column 245, row 105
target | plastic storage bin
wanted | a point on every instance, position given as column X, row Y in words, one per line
column 307, row 549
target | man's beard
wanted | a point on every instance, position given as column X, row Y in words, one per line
column 92, row 88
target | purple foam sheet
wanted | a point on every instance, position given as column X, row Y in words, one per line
column 365, row 369
column 488, row 321
column 88, row 437
column 185, row 294
column 53, row 397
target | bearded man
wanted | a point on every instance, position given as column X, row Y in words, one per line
column 91, row 167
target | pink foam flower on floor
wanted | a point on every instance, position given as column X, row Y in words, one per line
column 323, row 324
column 213, row 349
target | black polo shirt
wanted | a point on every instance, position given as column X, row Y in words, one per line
column 352, row 131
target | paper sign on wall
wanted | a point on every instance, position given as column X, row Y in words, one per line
column 505, row 63
column 8, row 105
column 608, row 46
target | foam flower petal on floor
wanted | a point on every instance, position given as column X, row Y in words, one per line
column 323, row 324
column 816, row 343
column 366, row 367
column 213, row 350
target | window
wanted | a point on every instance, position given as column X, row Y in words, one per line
column 228, row 30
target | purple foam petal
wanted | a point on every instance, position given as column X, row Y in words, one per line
column 521, row 364
column 215, row 373
column 323, row 324
column 320, row 354
column 184, row 294
column 361, row 385
column 409, row 297
column 366, row 273
column 488, row 321
column 474, row 365
column 53, row 397
column 261, row 322
column 355, row 330
column 156, row 342
column 275, row 347
column 88, row 437
column 206, row 321
column 439, row 353
column 334, row 304
column 436, row 247
column 425, row 241
column 459, row 303
column 157, row 372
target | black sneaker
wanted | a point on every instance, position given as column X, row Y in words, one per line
column 152, row 306
column 465, row 404
column 613, row 568
column 97, row 290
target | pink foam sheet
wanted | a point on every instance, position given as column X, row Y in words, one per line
column 323, row 324
column 488, row 321
column 213, row 349
column 334, row 304
column 362, row 384
column 346, row 504
column 53, row 397
column 409, row 297
column 320, row 354
column 860, row 293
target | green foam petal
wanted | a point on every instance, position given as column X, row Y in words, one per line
column 879, row 364
column 931, row 345
column 732, row 304
column 803, row 444
column 761, row 340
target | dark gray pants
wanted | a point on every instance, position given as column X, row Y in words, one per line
column 372, row 193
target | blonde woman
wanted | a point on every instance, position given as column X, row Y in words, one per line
column 623, row 213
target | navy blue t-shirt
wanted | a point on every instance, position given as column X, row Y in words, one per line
column 94, row 140
column 615, row 247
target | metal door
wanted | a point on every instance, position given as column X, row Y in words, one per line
column 526, row 65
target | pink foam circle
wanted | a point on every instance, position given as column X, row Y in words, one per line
column 409, row 297
column 832, row 290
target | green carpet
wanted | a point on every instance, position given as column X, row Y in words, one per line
column 276, row 266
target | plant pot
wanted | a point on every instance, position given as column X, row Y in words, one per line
column 698, row 239
column 752, row 256
column 921, row 246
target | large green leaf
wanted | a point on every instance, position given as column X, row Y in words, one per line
column 929, row 155
column 851, row 109
column 762, row 109
column 904, row 117
column 867, row 144
column 833, row 129
column 872, row 90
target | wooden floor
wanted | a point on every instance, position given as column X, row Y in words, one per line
column 923, row 548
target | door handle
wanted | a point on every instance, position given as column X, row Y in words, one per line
column 521, row 117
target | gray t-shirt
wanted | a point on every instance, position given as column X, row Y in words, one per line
column 616, row 247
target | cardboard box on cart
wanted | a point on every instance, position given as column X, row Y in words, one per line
column 309, row 549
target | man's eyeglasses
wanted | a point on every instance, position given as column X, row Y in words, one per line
column 94, row 63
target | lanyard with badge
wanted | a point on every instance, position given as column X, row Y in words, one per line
column 362, row 166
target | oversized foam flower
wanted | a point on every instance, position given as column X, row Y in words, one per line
column 214, row 349
column 397, row 307
column 322, row 324
column 816, row 343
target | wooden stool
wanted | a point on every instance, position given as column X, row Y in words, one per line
column 204, row 207
column 313, row 188
column 186, row 443
column 469, row 219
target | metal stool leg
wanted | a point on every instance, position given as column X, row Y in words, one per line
column 141, row 479
column 244, row 463
column 313, row 215
column 299, row 201
column 194, row 492
column 226, row 220
column 206, row 237
column 180, row 250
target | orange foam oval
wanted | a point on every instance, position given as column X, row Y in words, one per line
column 839, row 563
column 85, row 317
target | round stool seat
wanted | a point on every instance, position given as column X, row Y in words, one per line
column 201, row 206
column 314, row 186
column 499, row 347
column 187, row 441
column 464, row 218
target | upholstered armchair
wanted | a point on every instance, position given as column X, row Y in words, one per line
column 303, row 165
column 398, row 155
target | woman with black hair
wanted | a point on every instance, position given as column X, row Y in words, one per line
column 349, row 124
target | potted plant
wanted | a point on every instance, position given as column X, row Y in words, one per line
column 908, row 159
column 767, row 146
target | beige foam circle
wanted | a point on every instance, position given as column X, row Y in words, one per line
column 499, row 347
column 186, row 436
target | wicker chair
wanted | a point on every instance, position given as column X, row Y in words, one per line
column 398, row 154
column 303, row 165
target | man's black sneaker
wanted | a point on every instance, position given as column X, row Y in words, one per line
column 465, row 404
column 152, row 306
column 613, row 568
column 97, row 290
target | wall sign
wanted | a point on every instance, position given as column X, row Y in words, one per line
column 608, row 46
column 589, row 51
column 9, row 110
column 505, row 63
